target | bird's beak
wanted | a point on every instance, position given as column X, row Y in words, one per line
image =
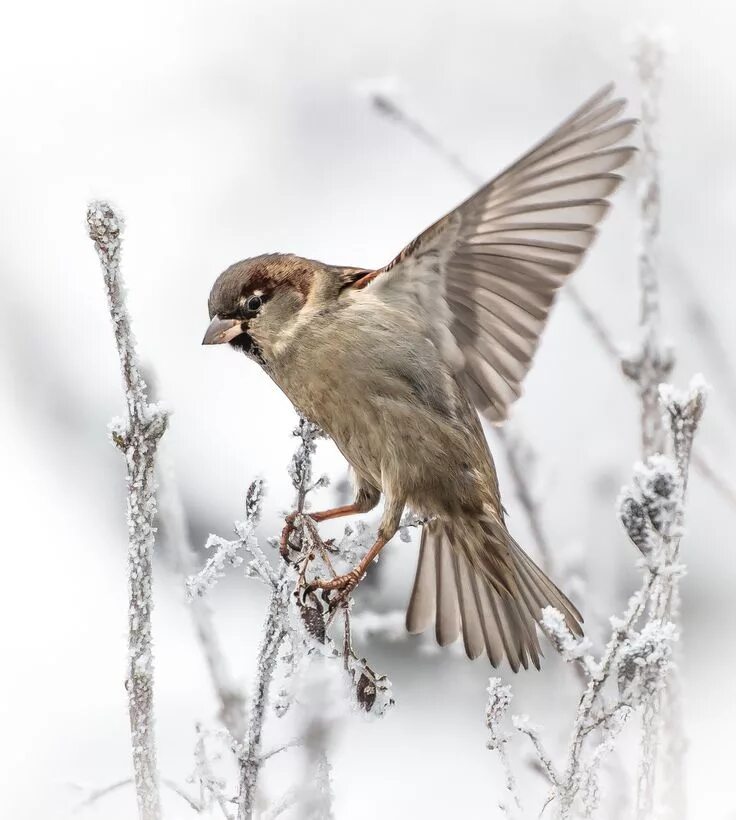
column 222, row 330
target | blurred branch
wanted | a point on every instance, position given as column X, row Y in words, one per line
column 521, row 459
column 653, row 363
column 137, row 436
column 104, row 791
column 662, row 719
column 386, row 106
column 172, row 515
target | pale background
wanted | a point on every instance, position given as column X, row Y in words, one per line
column 227, row 129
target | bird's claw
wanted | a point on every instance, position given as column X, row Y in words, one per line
column 343, row 585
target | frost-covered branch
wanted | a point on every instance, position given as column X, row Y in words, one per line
column 137, row 436
column 499, row 702
column 683, row 411
column 296, row 635
column 251, row 760
column 636, row 665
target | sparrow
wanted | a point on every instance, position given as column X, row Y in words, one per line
column 398, row 364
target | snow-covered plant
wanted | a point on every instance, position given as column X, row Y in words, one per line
column 497, row 708
column 296, row 635
column 632, row 672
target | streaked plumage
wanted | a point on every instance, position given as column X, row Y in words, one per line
column 393, row 364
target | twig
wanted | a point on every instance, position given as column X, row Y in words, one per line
column 137, row 437
column 211, row 787
column 98, row 794
column 525, row 727
column 499, row 701
column 292, row 744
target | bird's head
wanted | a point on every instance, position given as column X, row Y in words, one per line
column 255, row 301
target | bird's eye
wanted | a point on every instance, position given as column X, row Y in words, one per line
column 253, row 304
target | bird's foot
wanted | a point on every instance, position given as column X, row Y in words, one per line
column 342, row 584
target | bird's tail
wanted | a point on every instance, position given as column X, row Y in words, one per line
column 473, row 576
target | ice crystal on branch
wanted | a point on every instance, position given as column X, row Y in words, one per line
column 644, row 660
column 497, row 708
column 228, row 553
column 648, row 509
column 499, row 702
column 568, row 645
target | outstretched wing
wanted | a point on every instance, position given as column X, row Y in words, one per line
column 489, row 270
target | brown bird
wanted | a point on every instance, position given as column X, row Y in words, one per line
column 394, row 365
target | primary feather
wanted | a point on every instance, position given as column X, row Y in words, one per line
column 506, row 250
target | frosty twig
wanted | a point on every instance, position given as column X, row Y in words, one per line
column 137, row 436
column 251, row 760
column 294, row 635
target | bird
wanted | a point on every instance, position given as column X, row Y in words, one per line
column 397, row 365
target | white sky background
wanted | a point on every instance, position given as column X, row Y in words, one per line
column 227, row 129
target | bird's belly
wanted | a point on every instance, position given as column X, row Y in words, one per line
column 402, row 449
column 347, row 416
column 391, row 416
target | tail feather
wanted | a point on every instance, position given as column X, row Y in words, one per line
column 495, row 601
column 447, row 623
column 494, row 642
column 473, row 636
column 546, row 593
column 421, row 610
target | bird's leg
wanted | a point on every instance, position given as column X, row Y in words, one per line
column 365, row 500
column 346, row 583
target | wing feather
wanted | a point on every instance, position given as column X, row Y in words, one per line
column 506, row 250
